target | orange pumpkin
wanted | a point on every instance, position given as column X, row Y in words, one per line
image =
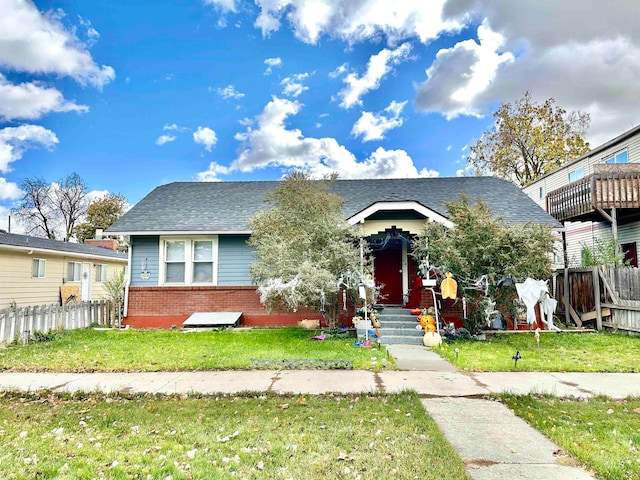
column 427, row 320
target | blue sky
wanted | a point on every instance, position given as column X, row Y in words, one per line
column 131, row 95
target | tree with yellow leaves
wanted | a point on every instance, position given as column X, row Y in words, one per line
column 529, row 139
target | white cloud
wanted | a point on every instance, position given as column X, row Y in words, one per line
column 92, row 35
column 15, row 140
column 373, row 127
column 378, row 66
column 16, row 226
column 559, row 49
column 230, row 92
column 468, row 171
column 211, row 174
column 205, row 136
column 449, row 148
column 271, row 63
column 174, row 127
column 271, row 144
column 293, row 85
column 36, row 43
column 223, row 5
column 162, row 139
column 339, row 71
column 357, row 21
column 9, row 190
column 32, row 100
column 459, row 75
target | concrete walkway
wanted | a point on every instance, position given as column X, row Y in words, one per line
column 493, row 442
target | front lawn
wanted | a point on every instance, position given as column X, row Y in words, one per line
column 168, row 350
column 97, row 436
column 602, row 433
column 559, row 352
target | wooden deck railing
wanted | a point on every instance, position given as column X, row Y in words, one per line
column 607, row 188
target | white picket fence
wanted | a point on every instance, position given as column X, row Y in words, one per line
column 19, row 324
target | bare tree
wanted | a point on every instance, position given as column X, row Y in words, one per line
column 70, row 199
column 52, row 210
column 36, row 210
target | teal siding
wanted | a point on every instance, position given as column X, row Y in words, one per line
column 234, row 258
column 145, row 256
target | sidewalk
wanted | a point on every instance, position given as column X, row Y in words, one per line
column 428, row 384
column 493, row 442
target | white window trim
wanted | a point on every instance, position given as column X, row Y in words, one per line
column 44, row 269
column 73, row 280
column 188, row 267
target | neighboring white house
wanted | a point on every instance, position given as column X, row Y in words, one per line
column 596, row 196
column 35, row 271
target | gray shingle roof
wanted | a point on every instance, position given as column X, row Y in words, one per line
column 25, row 241
column 226, row 206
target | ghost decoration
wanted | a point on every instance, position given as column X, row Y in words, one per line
column 533, row 291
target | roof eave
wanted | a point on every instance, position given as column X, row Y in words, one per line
column 61, row 253
column 179, row 232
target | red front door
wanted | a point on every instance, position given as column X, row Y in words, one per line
column 388, row 271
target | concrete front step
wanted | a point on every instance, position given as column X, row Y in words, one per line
column 398, row 326
column 400, row 340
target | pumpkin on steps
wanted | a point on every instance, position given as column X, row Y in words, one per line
column 432, row 339
column 426, row 320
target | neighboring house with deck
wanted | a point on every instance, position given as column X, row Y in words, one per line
column 37, row 271
column 188, row 247
column 596, row 197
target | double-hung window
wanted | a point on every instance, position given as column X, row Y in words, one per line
column 202, row 261
column 174, row 261
column 189, row 261
column 620, row 157
column 101, row 272
column 74, row 271
column 38, row 267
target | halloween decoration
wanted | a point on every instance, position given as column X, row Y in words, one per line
column 432, row 339
column 533, row 291
column 449, row 287
column 515, row 358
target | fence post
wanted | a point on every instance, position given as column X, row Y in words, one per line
column 596, row 296
column 12, row 325
column 4, row 314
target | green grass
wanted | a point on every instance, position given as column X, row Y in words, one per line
column 96, row 436
column 559, row 352
column 601, row 433
column 166, row 350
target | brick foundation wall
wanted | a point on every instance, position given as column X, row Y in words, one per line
column 451, row 309
column 164, row 307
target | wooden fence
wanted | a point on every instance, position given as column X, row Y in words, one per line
column 20, row 324
column 610, row 296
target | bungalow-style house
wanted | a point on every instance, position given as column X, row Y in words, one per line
column 597, row 197
column 188, row 250
column 38, row 271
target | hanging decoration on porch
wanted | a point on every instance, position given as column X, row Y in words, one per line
column 449, row 287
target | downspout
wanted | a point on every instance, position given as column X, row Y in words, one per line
column 126, row 287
